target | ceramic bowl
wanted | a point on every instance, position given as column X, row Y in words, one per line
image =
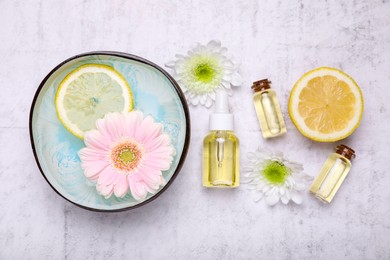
column 56, row 150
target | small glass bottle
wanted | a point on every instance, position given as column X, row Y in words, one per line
column 332, row 173
column 268, row 109
column 221, row 148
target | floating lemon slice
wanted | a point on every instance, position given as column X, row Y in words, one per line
column 326, row 105
column 88, row 93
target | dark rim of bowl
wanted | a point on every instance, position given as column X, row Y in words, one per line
column 131, row 57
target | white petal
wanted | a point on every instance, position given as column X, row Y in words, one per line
column 278, row 155
column 196, row 48
column 236, row 79
column 271, row 191
column 228, row 64
column 202, row 99
column 261, row 185
column 214, row 45
column 208, row 102
column 308, row 178
column 226, row 84
column 227, row 77
column 212, row 95
column 296, row 197
column 272, row 199
column 179, row 56
column 259, row 197
column 194, row 101
column 299, row 186
column 202, row 48
column 170, row 64
column 284, row 199
column 223, row 50
column 266, row 189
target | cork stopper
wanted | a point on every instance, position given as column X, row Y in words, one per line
column 345, row 151
column 261, row 85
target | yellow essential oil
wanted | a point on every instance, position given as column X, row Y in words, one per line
column 221, row 148
column 332, row 173
column 221, row 159
column 268, row 109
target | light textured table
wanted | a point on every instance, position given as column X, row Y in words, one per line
column 276, row 39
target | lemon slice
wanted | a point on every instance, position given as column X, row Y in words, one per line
column 88, row 93
column 326, row 105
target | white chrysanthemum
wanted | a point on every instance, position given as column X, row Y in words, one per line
column 203, row 70
column 275, row 178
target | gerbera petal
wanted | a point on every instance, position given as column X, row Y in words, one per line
column 91, row 154
column 132, row 122
column 101, row 127
column 121, row 186
column 96, row 140
column 164, row 152
column 151, row 177
column 105, row 190
column 107, row 176
column 137, row 187
column 153, row 133
column 163, row 181
column 159, row 162
column 148, row 130
column 162, row 140
column 92, row 169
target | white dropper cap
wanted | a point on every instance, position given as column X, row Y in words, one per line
column 221, row 119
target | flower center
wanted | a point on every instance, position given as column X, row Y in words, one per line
column 276, row 172
column 126, row 155
column 204, row 72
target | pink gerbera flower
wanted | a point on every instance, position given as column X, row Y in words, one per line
column 126, row 152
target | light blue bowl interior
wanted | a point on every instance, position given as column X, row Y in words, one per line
column 56, row 148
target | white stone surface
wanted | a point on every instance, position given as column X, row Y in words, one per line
column 276, row 39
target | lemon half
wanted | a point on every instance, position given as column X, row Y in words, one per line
column 88, row 93
column 326, row 105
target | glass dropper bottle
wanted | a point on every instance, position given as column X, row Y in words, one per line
column 221, row 148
